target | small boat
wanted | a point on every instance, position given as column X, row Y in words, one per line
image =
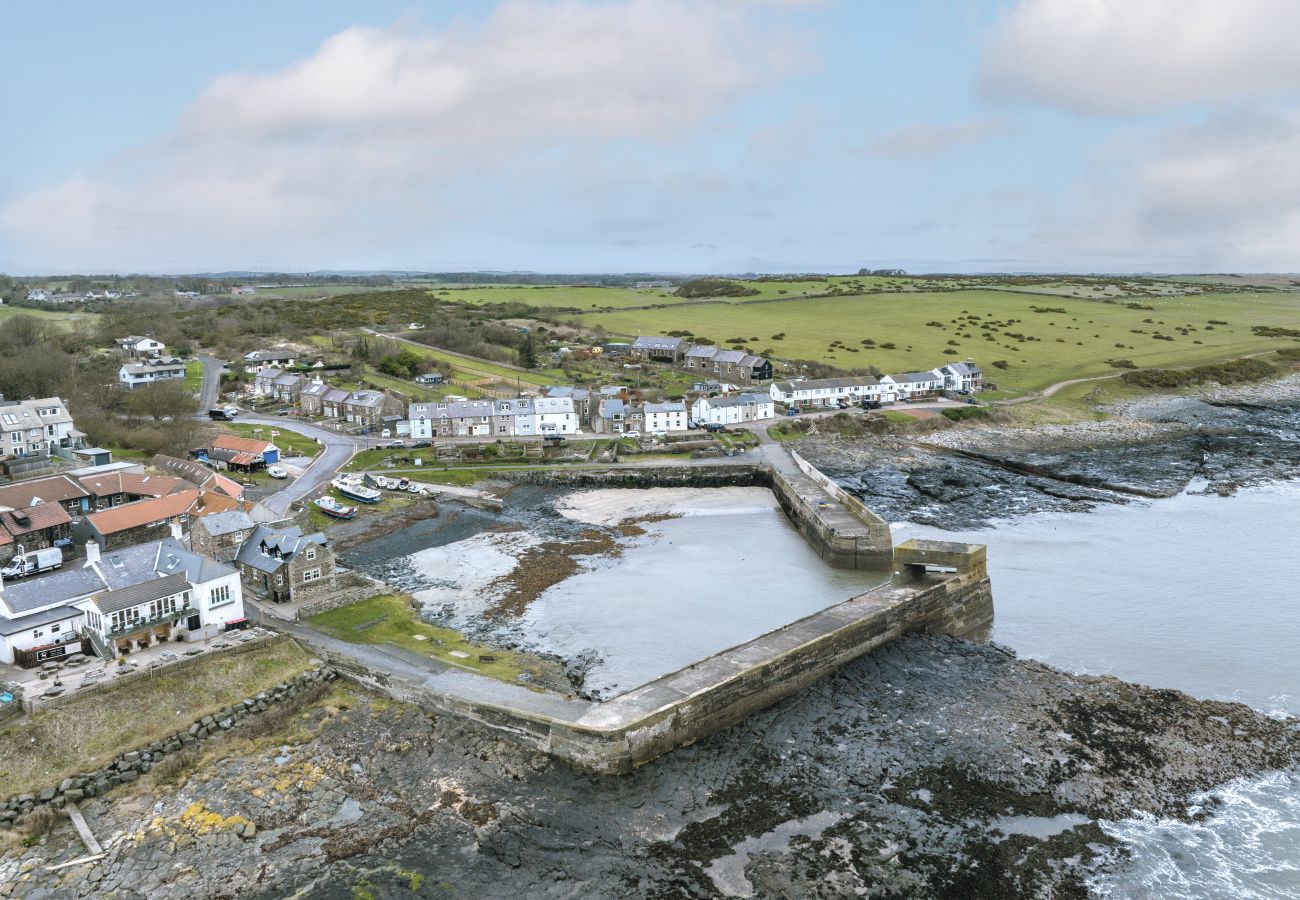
column 335, row 509
column 352, row 487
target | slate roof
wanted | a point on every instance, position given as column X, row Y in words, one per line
column 962, row 368
column 813, row 384
column 648, row 342
column 288, row 540
column 611, row 407
column 225, row 522
column 316, row 389
column 367, row 399
column 268, row 355
column 665, row 407
column 336, row 395
column 915, row 377
column 701, row 351
column 737, row 400
column 144, row 592
column 159, row 366
column 36, row 620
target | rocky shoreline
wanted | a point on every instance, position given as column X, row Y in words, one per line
column 932, row 768
column 961, row 479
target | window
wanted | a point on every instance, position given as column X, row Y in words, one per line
column 16, row 437
column 36, row 632
column 310, row 575
column 54, row 629
column 238, row 536
column 220, row 596
column 310, row 554
column 9, row 419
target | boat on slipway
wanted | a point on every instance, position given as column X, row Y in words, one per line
column 352, row 487
column 335, row 509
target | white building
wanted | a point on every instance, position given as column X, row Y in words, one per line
column 36, row 426
column 914, row 385
column 553, row 415
column 140, row 346
column 963, row 377
column 121, row 599
column 667, row 416
column 517, row 417
column 133, row 375
column 733, row 409
column 831, row 391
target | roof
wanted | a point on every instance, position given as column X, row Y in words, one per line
column 611, row 406
column 226, row 522
column 963, row 368
column 287, row 540
column 366, row 398
column 241, row 444
column 142, row 512
column 144, row 592
column 199, row 475
column 112, row 483
column 665, row 407
column 730, row 356
column 37, row 518
column 25, row 413
column 336, row 395
column 736, row 400
column 701, row 351
column 316, row 388
column 158, row 366
column 813, row 384
column 288, row 379
column 234, row 457
column 264, row 355
column 53, row 489
column 36, row 620
column 914, row 377
column 647, row 342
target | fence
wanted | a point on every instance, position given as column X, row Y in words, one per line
column 37, row 704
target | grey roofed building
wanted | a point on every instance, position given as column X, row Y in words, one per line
column 666, row 406
column 610, row 407
column 813, row 384
column 915, row 377
column 648, row 342
column 267, row 548
column 963, row 368
column 144, row 592
column 269, row 356
column 738, row 400
column 113, row 571
column 36, row 620
column 366, row 398
column 227, row 522
column 316, row 389
column 335, row 395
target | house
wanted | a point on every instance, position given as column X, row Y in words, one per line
column 135, row 523
column 699, row 358
column 733, row 409
column 115, row 488
column 139, row 346
column 659, row 349
column 58, row 489
column 282, row 564
column 915, row 385
column 265, row 451
column 666, row 416
column 451, row 418
column 333, row 403
column 739, row 367
column 610, row 417
column 199, row 476
column 311, row 399
column 963, row 377
column 36, row 428
column 133, row 375
column 263, row 384
column 287, row 387
column 365, row 408
column 118, row 601
column 260, row 359
column 549, row 415
column 430, row 378
column 38, row 527
column 833, row 391
column 221, row 534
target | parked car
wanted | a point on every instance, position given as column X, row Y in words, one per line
column 553, row 437
column 872, row 404
column 276, row 472
column 32, row 563
column 220, row 415
column 395, row 444
column 714, row 427
column 420, row 445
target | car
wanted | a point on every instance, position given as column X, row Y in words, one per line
column 276, row 472
column 420, row 445
column 660, row 432
column 392, row 445
column 872, row 404
column 715, row 427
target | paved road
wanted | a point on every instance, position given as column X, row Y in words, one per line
column 336, row 450
column 211, row 383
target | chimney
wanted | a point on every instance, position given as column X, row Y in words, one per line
column 92, row 553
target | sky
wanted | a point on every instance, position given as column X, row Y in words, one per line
column 683, row 136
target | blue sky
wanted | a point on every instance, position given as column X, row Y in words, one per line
column 651, row 135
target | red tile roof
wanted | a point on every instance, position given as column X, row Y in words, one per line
column 39, row 517
column 240, row 444
column 52, row 489
column 131, row 483
column 143, row 512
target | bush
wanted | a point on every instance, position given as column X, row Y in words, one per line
column 962, row 413
column 1274, row 331
column 1232, row 372
column 714, row 287
column 1000, row 364
column 1121, row 363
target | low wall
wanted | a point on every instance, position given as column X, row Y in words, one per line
column 837, row 525
column 634, row 476
column 616, row 736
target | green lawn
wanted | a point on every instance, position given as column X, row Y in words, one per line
column 58, row 318
column 474, row 370
column 1066, row 345
column 291, row 443
column 389, row 619
column 194, row 376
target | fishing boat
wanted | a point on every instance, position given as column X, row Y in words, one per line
column 352, row 487
column 335, row 509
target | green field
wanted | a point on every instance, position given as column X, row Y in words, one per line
column 61, row 318
column 194, row 376
column 1050, row 347
column 475, row 370
column 291, row 443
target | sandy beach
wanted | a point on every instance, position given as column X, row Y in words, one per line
column 609, row 506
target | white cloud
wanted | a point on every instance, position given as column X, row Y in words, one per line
column 1223, row 195
column 1120, row 57
column 383, row 130
column 923, row 140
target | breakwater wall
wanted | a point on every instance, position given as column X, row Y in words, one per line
column 678, row 709
column 838, row 527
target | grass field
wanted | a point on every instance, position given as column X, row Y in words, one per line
column 194, row 376
column 90, row 731
column 476, row 370
column 291, row 443
column 1040, row 348
column 311, row 291
column 61, row 318
column 392, row 620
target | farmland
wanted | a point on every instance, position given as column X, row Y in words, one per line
column 1067, row 337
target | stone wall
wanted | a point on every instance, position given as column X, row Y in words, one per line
column 632, row 476
column 127, row 767
column 352, row 587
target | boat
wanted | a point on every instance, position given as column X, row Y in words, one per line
column 352, row 487
column 335, row 509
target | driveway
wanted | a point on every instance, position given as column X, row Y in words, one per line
column 211, row 382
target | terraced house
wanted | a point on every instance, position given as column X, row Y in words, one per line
column 283, row 564
column 36, row 428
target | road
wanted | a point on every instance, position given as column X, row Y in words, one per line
column 336, row 450
column 208, row 395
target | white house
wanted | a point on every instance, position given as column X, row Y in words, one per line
column 733, row 409
column 667, row 416
column 140, row 346
column 120, row 600
column 132, row 375
column 554, row 415
column 914, row 385
column 963, row 377
column 831, row 391
column 36, row 426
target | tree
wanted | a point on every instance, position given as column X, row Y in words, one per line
column 528, row 352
